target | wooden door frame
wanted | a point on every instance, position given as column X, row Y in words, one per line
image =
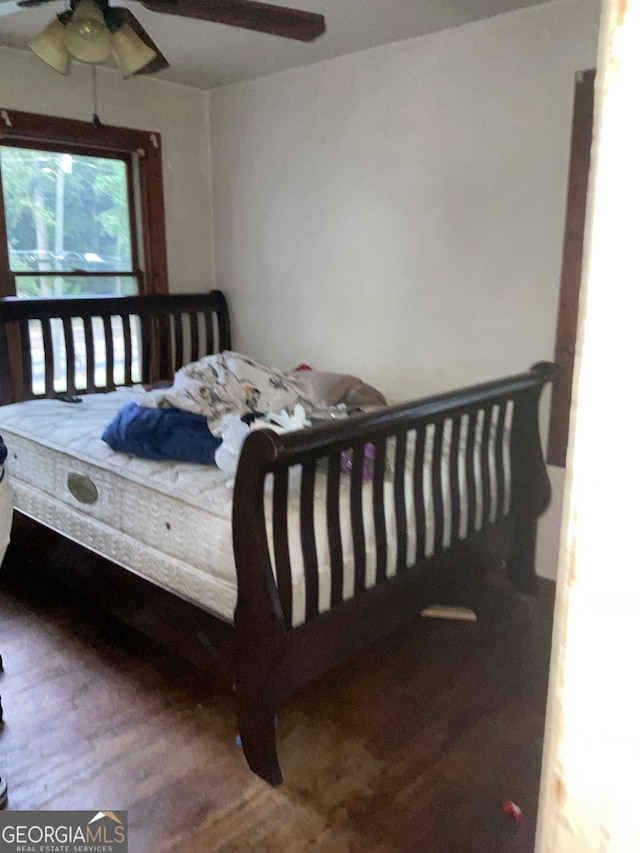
column 567, row 324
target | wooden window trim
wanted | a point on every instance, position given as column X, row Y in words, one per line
column 568, row 306
column 30, row 130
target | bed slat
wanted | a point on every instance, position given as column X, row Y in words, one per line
column 418, row 492
column 379, row 520
column 485, row 466
column 195, row 336
column 454, row 478
column 108, row 346
column 308, row 538
column 126, row 335
column 281, row 541
column 469, row 472
column 333, row 527
column 355, row 510
column 436, row 488
column 90, row 360
column 69, row 348
column 400, row 501
column 47, row 346
column 499, row 458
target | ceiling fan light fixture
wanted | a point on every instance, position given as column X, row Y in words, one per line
column 50, row 46
column 86, row 36
column 130, row 52
column 92, row 30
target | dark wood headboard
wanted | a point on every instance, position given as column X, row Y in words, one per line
column 79, row 345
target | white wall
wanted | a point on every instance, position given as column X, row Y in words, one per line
column 399, row 213
column 396, row 213
column 178, row 113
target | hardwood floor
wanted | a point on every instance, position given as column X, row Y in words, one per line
column 414, row 746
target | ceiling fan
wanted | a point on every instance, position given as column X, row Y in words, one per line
column 91, row 30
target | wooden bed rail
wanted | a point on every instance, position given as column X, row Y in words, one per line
column 78, row 345
column 292, row 447
column 422, row 469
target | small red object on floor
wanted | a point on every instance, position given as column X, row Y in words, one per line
column 303, row 367
column 512, row 809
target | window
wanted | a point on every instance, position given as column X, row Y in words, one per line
column 81, row 214
column 81, row 209
column 67, row 223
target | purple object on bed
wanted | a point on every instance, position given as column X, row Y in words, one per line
column 346, row 461
column 162, row 434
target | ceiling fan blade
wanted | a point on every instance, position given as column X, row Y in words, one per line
column 262, row 17
column 157, row 64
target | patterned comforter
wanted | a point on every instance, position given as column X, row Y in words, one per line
column 231, row 383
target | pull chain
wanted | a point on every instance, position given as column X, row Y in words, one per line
column 94, row 86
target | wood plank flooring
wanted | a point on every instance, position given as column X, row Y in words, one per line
column 414, row 746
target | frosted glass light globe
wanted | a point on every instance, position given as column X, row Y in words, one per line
column 86, row 35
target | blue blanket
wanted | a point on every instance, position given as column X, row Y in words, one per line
column 162, row 434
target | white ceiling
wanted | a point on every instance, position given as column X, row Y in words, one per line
column 206, row 55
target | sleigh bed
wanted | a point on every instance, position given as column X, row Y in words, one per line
column 306, row 560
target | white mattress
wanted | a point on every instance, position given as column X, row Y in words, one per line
column 171, row 521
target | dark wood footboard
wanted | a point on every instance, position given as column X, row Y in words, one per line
column 475, row 455
column 411, row 504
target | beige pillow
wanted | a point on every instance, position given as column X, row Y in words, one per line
column 331, row 389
